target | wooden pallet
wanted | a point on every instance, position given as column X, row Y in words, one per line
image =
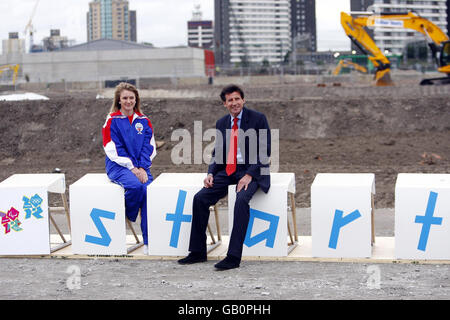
column 382, row 252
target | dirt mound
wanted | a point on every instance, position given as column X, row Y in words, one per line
column 318, row 133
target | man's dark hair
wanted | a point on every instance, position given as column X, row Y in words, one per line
column 230, row 89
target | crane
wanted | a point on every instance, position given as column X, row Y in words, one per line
column 438, row 41
column 29, row 27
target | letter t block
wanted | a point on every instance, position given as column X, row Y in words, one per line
column 422, row 216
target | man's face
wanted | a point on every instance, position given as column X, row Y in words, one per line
column 234, row 103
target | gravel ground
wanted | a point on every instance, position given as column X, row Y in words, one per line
column 334, row 129
column 124, row 279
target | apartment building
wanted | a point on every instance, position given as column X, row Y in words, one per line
column 303, row 25
column 251, row 31
column 111, row 19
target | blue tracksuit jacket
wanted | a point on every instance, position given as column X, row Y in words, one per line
column 128, row 145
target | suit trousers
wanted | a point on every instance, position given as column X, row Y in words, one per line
column 207, row 197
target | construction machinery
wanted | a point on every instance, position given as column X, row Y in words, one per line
column 437, row 40
column 347, row 64
column 29, row 27
column 14, row 68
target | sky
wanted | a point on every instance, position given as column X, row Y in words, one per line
column 160, row 22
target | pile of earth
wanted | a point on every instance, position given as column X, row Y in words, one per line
column 333, row 129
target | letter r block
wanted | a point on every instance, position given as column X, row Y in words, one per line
column 341, row 215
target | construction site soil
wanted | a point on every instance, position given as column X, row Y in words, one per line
column 350, row 127
column 382, row 130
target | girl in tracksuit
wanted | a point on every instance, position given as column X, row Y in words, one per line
column 129, row 144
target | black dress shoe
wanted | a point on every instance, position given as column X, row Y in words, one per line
column 193, row 257
column 229, row 262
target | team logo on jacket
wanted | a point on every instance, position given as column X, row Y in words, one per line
column 139, row 127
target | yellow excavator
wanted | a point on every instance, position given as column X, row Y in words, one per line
column 345, row 63
column 437, row 40
column 14, row 68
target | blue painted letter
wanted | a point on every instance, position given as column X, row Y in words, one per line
column 104, row 239
column 427, row 220
column 338, row 222
column 178, row 217
column 268, row 235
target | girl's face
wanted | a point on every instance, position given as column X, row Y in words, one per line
column 127, row 102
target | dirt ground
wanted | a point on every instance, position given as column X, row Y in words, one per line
column 350, row 127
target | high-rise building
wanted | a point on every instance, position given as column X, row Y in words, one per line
column 303, row 24
column 132, row 25
column 200, row 32
column 393, row 40
column 251, row 31
column 111, row 19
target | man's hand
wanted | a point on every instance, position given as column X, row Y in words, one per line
column 244, row 182
column 208, row 182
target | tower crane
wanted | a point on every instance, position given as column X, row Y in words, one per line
column 29, row 27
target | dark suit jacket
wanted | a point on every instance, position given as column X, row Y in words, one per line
column 254, row 143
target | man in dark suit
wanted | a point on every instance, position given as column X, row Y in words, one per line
column 241, row 157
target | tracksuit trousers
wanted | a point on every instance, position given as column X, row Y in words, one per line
column 135, row 195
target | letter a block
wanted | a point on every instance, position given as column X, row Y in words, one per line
column 169, row 203
column 422, row 216
column 267, row 229
column 97, row 215
column 341, row 215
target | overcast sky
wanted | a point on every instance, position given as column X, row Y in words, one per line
column 161, row 22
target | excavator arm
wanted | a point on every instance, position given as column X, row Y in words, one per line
column 344, row 63
column 354, row 28
column 436, row 38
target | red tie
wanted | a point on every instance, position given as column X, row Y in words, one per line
column 232, row 152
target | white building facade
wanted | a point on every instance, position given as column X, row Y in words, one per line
column 252, row 31
column 393, row 40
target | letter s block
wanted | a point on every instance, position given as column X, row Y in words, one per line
column 97, row 215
